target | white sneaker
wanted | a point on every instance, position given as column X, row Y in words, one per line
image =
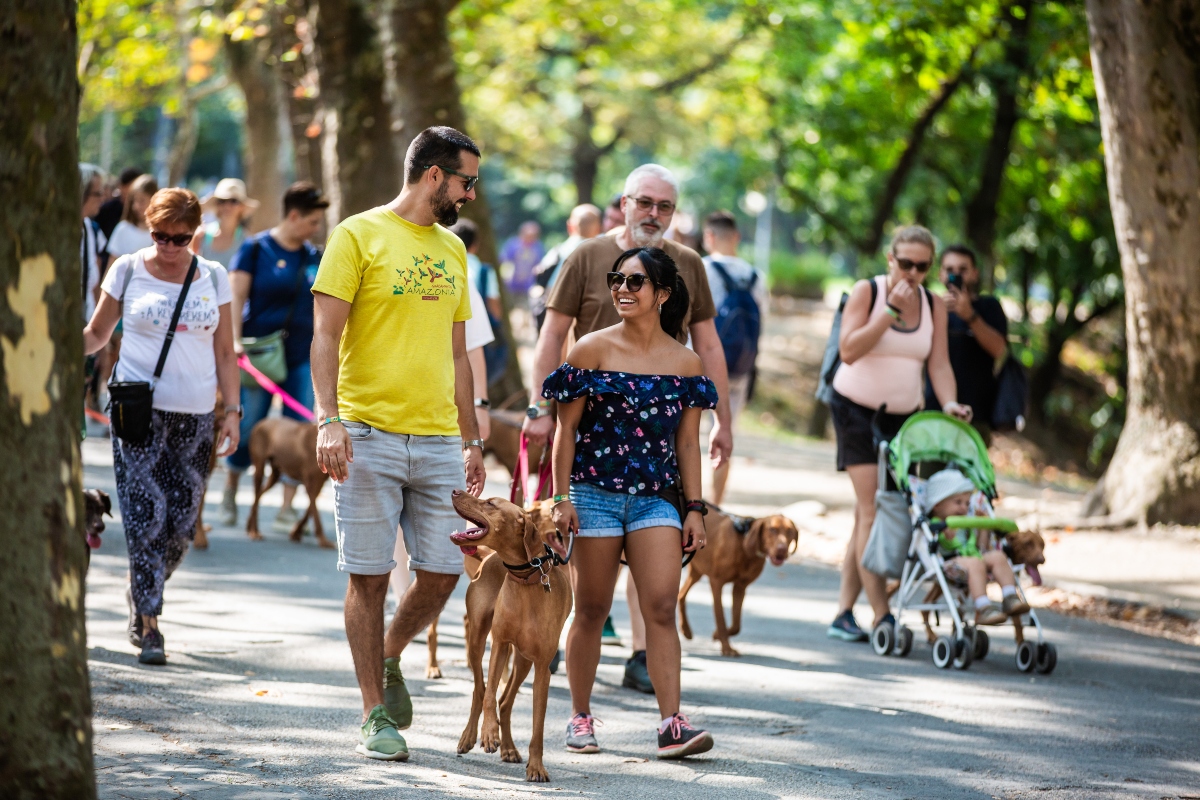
column 229, row 511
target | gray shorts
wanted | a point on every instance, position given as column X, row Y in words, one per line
column 399, row 479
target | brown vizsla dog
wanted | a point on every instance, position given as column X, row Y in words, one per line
column 735, row 558
column 288, row 446
column 1023, row 547
column 524, row 608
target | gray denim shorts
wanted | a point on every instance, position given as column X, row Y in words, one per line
column 399, row 479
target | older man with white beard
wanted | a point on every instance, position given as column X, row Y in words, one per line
column 581, row 298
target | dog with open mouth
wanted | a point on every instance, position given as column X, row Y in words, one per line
column 523, row 599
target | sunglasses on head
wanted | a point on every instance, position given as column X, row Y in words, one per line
column 632, row 282
column 179, row 239
column 908, row 265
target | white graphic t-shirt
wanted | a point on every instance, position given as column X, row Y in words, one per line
column 189, row 379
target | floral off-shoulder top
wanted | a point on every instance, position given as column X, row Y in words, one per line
column 626, row 437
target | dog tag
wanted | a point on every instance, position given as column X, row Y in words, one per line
column 546, row 582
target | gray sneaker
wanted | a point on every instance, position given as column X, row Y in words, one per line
column 991, row 614
column 285, row 520
column 581, row 734
column 395, row 694
column 229, row 514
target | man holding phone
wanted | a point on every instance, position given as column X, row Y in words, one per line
column 978, row 336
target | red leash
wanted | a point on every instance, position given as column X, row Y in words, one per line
column 521, row 479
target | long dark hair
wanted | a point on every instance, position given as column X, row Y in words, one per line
column 663, row 274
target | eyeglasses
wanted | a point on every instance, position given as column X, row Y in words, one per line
column 633, row 282
column 665, row 208
column 908, row 265
column 179, row 239
column 469, row 180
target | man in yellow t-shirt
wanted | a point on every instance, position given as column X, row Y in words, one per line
column 396, row 413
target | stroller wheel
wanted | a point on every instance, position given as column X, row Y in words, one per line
column 981, row 645
column 944, row 652
column 1026, row 656
column 965, row 651
column 904, row 642
column 882, row 638
column 1047, row 658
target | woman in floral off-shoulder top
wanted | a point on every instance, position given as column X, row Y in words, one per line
column 629, row 402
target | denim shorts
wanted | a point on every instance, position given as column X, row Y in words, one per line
column 398, row 479
column 605, row 513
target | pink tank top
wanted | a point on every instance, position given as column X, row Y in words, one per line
column 893, row 371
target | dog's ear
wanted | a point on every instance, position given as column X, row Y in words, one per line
column 752, row 541
column 793, row 534
column 104, row 498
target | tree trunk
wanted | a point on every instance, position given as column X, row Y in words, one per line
column 1146, row 59
column 361, row 169
column 422, row 81
column 46, row 735
column 260, row 83
column 300, row 86
column 1005, row 79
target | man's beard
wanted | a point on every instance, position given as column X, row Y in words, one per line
column 444, row 211
column 643, row 238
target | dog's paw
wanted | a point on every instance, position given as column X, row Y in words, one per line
column 536, row 773
column 466, row 742
column 433, row 672
column 325, row 544
column 510, row 755
column 490, row 740
column 254, row 536
column 728, row 651
column 686, row 630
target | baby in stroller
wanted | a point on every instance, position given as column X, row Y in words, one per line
column 948, row 494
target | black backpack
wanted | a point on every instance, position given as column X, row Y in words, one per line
column 739, row 321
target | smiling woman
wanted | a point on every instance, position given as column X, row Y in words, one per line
column 629, row 401
column 177, row 348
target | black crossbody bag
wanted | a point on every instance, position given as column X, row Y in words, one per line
column 131, row 402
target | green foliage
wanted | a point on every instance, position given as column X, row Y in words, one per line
column 803, row 275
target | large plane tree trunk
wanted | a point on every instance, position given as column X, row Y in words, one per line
column 260, row 83
column 361, row 169
column 423, row 85
column 45, row 706
column 1146, row 59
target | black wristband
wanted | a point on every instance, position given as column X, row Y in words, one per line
column 697, row 505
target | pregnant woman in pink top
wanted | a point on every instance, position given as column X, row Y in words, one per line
column 892, row 328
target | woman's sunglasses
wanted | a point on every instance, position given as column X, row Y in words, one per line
column 908, row 265
column 179, row 239
column 633, row 282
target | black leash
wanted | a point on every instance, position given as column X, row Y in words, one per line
column 543, row 564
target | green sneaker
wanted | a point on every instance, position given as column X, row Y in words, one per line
column 380, row 739
column 395, row 694
column 609, row 635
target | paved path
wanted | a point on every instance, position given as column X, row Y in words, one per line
column 259, row 701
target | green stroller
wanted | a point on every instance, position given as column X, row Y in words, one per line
column 933, row 440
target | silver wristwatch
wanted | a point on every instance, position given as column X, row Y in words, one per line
column 472, row 443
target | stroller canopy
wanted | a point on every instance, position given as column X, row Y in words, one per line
column 934, row 436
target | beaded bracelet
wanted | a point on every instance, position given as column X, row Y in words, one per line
column 558, row 498
column 892, row 312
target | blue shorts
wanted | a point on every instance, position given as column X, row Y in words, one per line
column 605, row 513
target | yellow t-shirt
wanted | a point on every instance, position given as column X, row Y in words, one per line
column 408, row 286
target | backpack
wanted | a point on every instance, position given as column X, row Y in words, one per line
column 739, row 321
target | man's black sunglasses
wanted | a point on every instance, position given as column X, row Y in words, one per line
column 907, row 265
column 470, row 180
column 633, row 283
column 179, row 239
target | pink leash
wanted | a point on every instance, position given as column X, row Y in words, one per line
column 273, row 388
column 522, row 477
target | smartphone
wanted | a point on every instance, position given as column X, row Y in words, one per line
column 954, row 281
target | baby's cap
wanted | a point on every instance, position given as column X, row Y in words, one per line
column 946, row 483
